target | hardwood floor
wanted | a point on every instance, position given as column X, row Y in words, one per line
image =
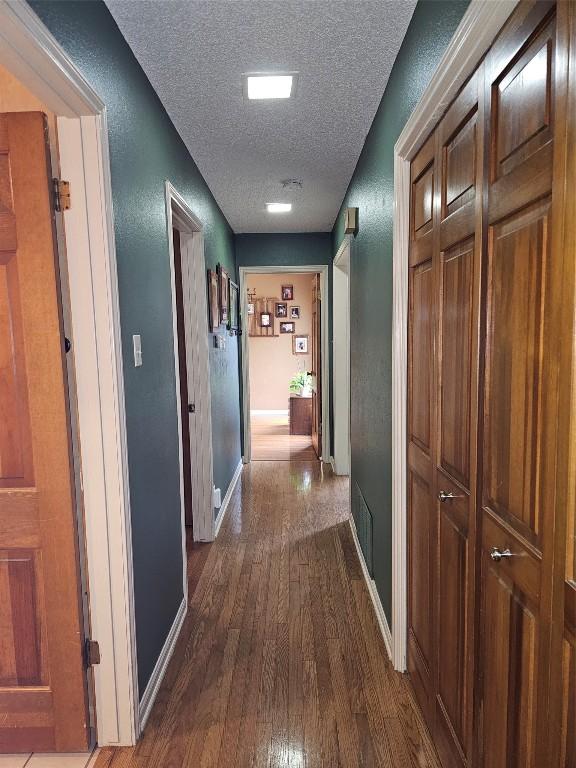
column 271, row 440
column 280, row 662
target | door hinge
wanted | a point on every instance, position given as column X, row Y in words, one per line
column 191, row 407
column 91, row 652
column 61, row 195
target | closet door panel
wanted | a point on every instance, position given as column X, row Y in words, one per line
column 421, row 427
column 459, row 151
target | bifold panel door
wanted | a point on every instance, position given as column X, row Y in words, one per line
column 491, row 420
column 42, row 677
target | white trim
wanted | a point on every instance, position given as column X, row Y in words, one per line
column 161, row 665
column 197, row 363
column 323, row 271
column 227, row 497
column 475, row 34
column 341, row 357
column 29, row 51
column 373, row 592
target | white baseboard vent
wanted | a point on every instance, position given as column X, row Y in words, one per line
column 226, row 500
column 149, row 697
column 373, row 592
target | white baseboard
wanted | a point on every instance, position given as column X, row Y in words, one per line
column 373, row 592
column 226, row 500
column 149, row 697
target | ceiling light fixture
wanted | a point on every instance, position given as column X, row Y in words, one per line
column 262, row 86
column 279, row 207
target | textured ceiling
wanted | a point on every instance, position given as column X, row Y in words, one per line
column 194, row 54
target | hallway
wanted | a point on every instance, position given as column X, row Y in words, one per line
column 281, row 662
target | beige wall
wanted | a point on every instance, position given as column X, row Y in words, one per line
column 272, row 363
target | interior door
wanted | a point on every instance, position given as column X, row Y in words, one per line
column 187, row 406
column 459, row 150
column 421, row 430
column 42, row 675
column 316, row 371
column 520, row 417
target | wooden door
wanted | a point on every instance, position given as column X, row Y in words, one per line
column 458, row 259
column 421, row 429
column 42, row 674
column 185, row 402
column 520, row 418
column 316, row 371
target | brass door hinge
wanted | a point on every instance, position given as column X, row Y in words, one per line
column 61, row 195
column 91, row 652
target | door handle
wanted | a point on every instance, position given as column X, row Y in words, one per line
column 443, row 496
column 497, row 554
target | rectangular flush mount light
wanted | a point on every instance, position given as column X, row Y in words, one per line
column 279, row 207
column 261, row 86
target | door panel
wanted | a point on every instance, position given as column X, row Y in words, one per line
column 520, row 397
column 421, row 522
column 42, row 675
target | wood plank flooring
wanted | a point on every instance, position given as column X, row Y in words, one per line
column 280, row 662
column 272, row 441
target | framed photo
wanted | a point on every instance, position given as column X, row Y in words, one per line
column 265, row 319
column 213, row 302
column 224, row 293
column 281, row 309
column 250, row 308
column 294, row 313
column 287, row 328
column 287, row 292
column 233, row 318
column 300, row 344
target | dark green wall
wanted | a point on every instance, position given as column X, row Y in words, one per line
column 145, row 150
column 289, row 250
column 372, row 191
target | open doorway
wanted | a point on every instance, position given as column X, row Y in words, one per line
column 285, row 397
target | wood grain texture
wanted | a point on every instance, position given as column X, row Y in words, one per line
column 281, row 662
column 271, row 440
column 42, row 671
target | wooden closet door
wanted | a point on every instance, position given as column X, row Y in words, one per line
column 459, row 148
column 421, row 431
column 520, row 389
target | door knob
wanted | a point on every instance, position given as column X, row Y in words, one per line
column 443, row 496
column 497, row 554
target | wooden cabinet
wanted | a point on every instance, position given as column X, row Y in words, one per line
column 300, row 415
column 492, row 407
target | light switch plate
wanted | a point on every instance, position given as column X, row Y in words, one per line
column 137, row 342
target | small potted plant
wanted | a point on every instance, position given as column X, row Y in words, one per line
column 301, row 384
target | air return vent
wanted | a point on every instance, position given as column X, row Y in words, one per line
column 363, row 520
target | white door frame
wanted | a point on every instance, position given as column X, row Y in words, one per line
column 474, row 35
column 323, row 271
column 179, row 214
column 32, row 54
column 341, row 356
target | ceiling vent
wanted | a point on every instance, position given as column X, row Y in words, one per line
column 294, row 184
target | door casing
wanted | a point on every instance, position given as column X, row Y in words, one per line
column 341, row 357
column 323, row 271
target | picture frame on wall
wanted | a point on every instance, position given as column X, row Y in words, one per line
column 224, row 293
column 234, row 310
column 294, row 313
column 300, row 344
column 213, row 300
column 288, row 327
column 287, row 292
column 250, row 308
column 281, row 309
column 265, row 319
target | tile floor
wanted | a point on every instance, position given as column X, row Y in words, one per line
column 59, row 760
